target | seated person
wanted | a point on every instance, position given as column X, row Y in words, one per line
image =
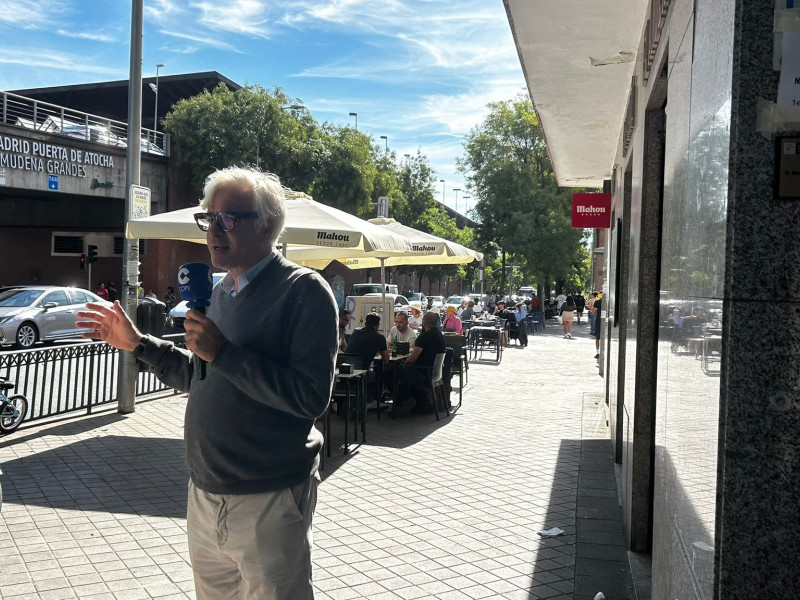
column 401, row 331
column 451, row 321
column 468, row 312
column 428, row 344
column 344, row 319
column 367, row 342
column 415, row 320
column 435, row 310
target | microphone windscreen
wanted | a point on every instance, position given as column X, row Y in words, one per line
column 195, row 284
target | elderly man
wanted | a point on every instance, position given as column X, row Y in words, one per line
column 401, row 332
column 251, row 445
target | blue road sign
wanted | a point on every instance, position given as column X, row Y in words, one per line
column 52, row 182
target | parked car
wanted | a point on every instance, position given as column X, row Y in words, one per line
column 438, row 302
column 477, row 299
column 418, row 297
column 96, row 133
column 177, row 314
column 455, row 301
column 41, row 313
column 362, row 289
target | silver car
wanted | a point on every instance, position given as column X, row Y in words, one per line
column 41, row 313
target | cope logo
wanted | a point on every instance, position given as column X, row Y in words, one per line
column 183, row 276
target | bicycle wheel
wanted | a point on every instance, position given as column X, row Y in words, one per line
column 13, row 413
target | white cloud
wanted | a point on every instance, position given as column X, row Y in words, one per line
column 198, row 39
column 94, row 37
column 162, row 11
column 44, row 58
column 28, row 14
column 242, row 17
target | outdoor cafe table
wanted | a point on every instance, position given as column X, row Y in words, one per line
column 359, row 378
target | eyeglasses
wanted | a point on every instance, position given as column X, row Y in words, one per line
column 226, row 221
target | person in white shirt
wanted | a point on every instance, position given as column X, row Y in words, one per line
column 560, row 299
column 401, row 331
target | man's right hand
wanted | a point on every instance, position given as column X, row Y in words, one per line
column 112, row 325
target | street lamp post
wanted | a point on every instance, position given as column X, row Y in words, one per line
column 355, row 114
column 155, row 107
column 442, row 182
column 385, row 139
column 466, row 204
column 456, row 190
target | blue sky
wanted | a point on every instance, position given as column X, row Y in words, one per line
column 419, row 72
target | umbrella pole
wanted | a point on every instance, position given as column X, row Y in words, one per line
column 383, row 298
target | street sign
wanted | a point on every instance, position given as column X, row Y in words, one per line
column 140, row 202
column 52, row 182
column 591, row 211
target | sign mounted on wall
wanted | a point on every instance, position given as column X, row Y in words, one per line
column 591, row 211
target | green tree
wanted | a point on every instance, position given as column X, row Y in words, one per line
column 250, row 126
column 521, row 211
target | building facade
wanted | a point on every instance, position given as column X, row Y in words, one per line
column 674, row 103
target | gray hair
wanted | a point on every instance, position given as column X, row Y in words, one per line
column 430, row 320
column 267, row 192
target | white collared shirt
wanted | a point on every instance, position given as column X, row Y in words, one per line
column 247, row 276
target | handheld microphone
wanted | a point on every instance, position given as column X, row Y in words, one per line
column 194, row 285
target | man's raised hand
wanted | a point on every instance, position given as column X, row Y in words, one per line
column 112, row 325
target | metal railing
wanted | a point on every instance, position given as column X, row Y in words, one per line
column 44, row 117
column 71, row 378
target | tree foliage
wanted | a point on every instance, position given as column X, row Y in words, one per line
column 521, row 210
column 338, row 166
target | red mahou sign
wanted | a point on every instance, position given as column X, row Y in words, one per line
column 591, row 211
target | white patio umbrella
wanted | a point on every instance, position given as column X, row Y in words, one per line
column 314, row 234
column 426, row 249
column 330, row 232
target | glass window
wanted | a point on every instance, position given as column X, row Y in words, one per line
column 59, row 297
column 80, row 297
column 19, row 297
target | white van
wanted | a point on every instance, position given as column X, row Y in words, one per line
column 362, row 289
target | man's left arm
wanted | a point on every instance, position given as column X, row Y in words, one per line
column 413, row 355
column 300, row 383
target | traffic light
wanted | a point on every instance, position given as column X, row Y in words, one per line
column 92, row 253
column 83, row 262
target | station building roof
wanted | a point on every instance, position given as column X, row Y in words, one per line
column 110, row 98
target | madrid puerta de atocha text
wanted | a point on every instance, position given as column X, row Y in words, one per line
column 30, row 155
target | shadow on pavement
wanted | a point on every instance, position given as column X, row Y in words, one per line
column 108, row 473
column 591, row 555
column 64, row 425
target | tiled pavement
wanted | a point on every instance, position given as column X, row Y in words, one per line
column 95, row 506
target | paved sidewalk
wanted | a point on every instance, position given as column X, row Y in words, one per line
column 95, row 506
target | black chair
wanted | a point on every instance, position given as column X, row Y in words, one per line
column 435, row 391
column 460, row 361
column 488, row 339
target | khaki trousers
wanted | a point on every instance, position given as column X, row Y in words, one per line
column 252, row 546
